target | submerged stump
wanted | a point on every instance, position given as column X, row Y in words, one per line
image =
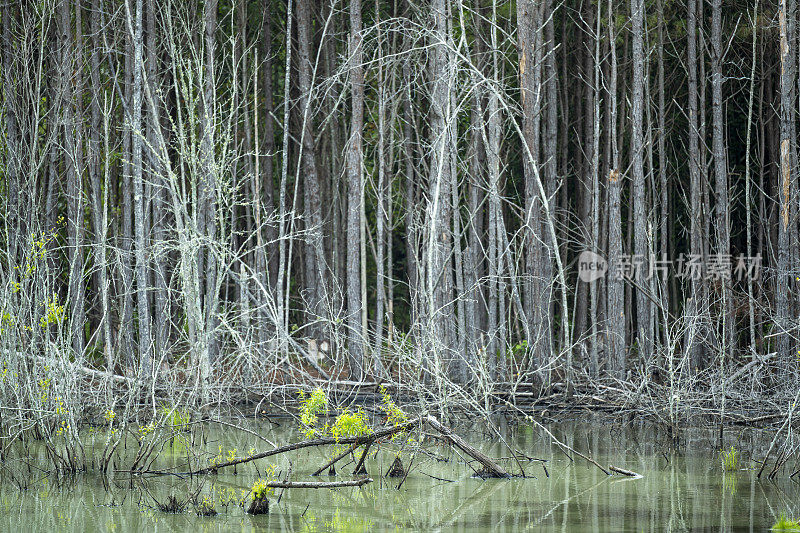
column 396, row 470
column 172, row 505
column 259, row 506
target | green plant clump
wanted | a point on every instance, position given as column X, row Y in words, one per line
column 730, row 460
column 786, row 524
column 175, row 418
column 311, row 407
column 260, row 503
column 395, row 416
column 206, row 507
column 350, row 424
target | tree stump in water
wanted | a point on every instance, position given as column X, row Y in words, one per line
column 259, row 506
column 396, row 470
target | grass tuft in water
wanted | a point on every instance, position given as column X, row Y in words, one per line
column 206, row 507
column 785, row 523
column 730, row 460
column 171, row 505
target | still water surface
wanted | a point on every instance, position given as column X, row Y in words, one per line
column 683, row 490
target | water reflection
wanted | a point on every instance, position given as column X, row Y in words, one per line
column 683, row 490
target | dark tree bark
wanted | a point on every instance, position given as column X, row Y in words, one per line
column 438, row 232
column 529, row 45
column 355, row 188
column 695, row 212
column 99, row 206
column 616, row 291
column 641, row 244
column 786, row 186
column 721, row 205
column 71, row 86
column 316, row 283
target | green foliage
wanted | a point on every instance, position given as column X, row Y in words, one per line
column 785, row 523
column 518, row 349
column 6, row 320
column 395, row 416
column 54, row 312
column 310, row 408
column 146, row 430
column 206, row 507
column 174, row 417
column 231, row 496
column 261, row 490
column 350, row 424
column 729, row 484
column 730, row 460
column 347, row 423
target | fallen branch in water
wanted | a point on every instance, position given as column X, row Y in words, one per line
column 629, row 473
column 325, row 441
column 564, row 447
column 336, row 459
column 787, row 422
column 490, row 468
column 318, row 484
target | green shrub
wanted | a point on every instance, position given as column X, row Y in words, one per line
column 311, row 407
column 786, row 524
column 730, row 460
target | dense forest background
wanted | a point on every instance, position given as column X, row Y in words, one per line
column 228, row 197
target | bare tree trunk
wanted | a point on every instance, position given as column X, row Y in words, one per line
column 477, row 179
column 282, row 282
column 73, row 164
column 662, row 158
column 143, row 305
column 616, row 290
column 529, row 45
column 438, row 271
column 355, row 179
column 786, row 186
column 747, row 178
column 98, row 205
column 13, row 137
column 159, row 223
column 315, row 265
column 595, row 169
column 409, row 182
column 641, row 246
column 264, row 183
column 550, row 165
column 721, row 205
column 207, row 196
column 695, row 213
column 381, row 218
column 126, row 337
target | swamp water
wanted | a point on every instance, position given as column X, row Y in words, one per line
column 685, row 490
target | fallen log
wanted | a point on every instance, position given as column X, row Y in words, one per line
column 318, row 484
column 360, row 470
column 325, row 441
column 490, row 468
column 629, row 473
